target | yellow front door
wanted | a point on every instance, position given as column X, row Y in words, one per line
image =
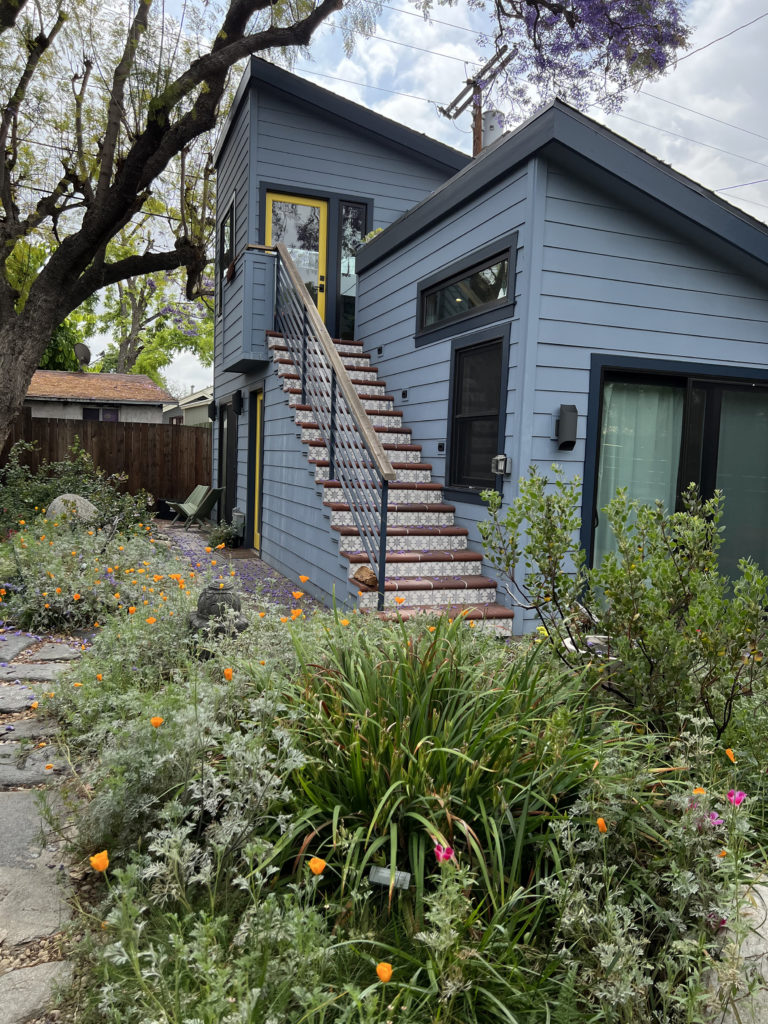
column 301, row 224
column 257, row 470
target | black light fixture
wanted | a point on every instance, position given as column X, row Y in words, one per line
column 212, row 410
column 237, row 402
column 565, row 428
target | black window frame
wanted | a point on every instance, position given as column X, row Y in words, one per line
column 477, row 339
column 701, row 437
column 504, row 247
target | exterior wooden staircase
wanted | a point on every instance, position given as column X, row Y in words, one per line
column 428, row 564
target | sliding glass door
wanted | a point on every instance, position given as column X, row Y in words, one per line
column 659, row 433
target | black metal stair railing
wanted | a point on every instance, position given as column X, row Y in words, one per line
column 357, row 458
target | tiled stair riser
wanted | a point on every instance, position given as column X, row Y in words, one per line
column 410, row 476
column 426, row 519
column 321, row 452
column 290, row 380
column 396, row 497
column 429, row 598
column 429, row 542
column 378, row 419
column 384, row 436
column 420, row 570
column 369, row 404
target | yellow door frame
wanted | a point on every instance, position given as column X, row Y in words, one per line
column 259, row 434
column 322, row 205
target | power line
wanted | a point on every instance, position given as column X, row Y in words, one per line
column 700, row 113
column 692, row 53
column 742, row 184
column 430, row 20
column 696, row 142
column 411, row 46
column 364, row 85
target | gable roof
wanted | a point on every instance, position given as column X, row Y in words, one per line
column 324, row 103
column 574, row 140
column 115, row 388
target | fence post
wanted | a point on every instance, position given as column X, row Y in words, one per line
column 382, row 566
column 332, row 432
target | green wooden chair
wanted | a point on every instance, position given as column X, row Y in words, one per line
column 205, row 507
column 186, row 508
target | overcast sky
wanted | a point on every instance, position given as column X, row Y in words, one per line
column 706, row 117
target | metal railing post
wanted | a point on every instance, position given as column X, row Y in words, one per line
column 382, row 566
column 304, row 357
column 332, row 431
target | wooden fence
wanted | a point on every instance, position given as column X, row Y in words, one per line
column 166, row 460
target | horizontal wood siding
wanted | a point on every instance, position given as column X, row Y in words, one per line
column 296, row 537
column 233, row 178
column 617, row 282
column 313, row 154
column 166, row 460
column 386, row 323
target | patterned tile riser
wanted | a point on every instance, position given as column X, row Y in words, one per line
column 351, row 356
column 432, row 598
column 396, row 497
column 316, row 452
column 411, row 476
column 385, row 437
column 426, row 519
column 428, row 542
column 307, row 416
column 424, row 570
column 363, row 386
column 369, row 404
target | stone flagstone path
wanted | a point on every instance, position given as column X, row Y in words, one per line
column 33, row 876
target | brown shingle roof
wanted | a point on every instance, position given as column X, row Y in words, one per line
column 96, row 387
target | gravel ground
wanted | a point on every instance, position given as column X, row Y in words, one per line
column 255, row 577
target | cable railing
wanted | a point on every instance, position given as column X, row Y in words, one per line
column 356, row 456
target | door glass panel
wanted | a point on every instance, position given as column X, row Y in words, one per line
column 353, row 219
column 300, row 224
column 639, row 449
column 742, row 475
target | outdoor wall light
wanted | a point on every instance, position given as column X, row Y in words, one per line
column 237, row 402
column 565, row 428
column 211, row 410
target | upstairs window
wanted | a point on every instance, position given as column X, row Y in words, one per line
column 480, row 287
column 226, row 249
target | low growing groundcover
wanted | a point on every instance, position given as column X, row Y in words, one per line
column 539, row 853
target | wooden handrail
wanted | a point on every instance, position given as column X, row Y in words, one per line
column 345, row 385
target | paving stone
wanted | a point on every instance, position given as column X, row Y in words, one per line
column 15, row 698
column 32, row 773
column 25, row 993
column 32, row 903
column 32, row 673
column 28, row 729
column 56, row 652
column 12, row 645
column 21, row 841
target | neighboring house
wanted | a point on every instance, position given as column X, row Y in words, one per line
column 191, row 410
column 109, row 397
column 563, row 297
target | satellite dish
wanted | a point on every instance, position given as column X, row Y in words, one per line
column 82, row 354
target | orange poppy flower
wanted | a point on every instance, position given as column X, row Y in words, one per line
column 131, row 610
column 317, row 865
column 304, row 579
column 602, row 827
column 228, row 674
column 151, row 620
column 156, row 721
column 384, row 972
column 399, row 600
column 100, row 861
column 297, row 594
column 730, row 755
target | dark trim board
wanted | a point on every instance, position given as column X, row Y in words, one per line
column 642, row 366
column 250, row 476
column 328, row 104
column 566, row 136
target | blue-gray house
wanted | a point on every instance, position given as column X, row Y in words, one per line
column 562, row 297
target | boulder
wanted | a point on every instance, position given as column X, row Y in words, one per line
column 73, row 505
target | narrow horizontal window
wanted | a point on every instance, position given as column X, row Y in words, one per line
column 476, row 289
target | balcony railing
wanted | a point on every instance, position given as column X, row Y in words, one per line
column 357, row 458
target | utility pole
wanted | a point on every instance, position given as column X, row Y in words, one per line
column 473, row 93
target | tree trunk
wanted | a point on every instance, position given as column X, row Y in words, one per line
column 23, row 341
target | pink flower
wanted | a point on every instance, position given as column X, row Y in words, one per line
column 736, row 796
column 714, row 818
column 443, row 852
